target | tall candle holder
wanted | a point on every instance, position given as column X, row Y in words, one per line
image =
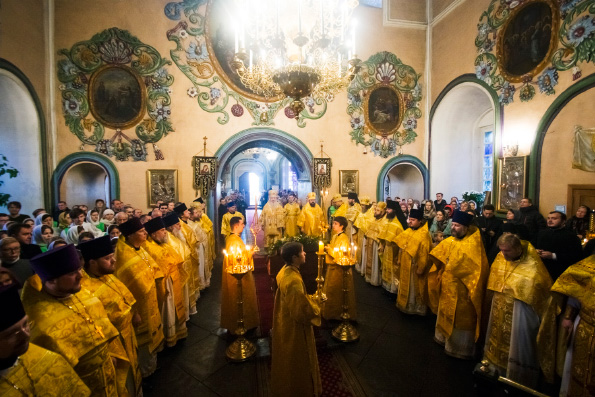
column 346, row 331
column 319, row 295
column 323, row 226
column 255, row 226
column 238, row 264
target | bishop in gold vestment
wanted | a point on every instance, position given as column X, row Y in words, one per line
column 229, row 288
column 118, row 303
column 414, row 245
column 292, row 209
column 311, row 220
column 138, row 271
column 25, row 368
column 520, row 284
column 566, row 339
column 73, row 324
column 294, row 369
column 458, row 278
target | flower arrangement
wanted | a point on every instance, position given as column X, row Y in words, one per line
column 475, row 196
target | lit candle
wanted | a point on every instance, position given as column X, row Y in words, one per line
column 320, row 247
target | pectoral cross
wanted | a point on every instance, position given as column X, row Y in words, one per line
column 99, row 331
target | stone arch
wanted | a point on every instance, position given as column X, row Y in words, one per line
column 400, row 161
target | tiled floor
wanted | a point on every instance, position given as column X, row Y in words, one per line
column 395, row 356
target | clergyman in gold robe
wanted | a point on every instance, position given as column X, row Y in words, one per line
column 232, row 211
column 457, row 281
column 294, row 369
column 520, row 284
column 373, row 264
column 25, row 368
column 414, row 245
column 332, row 308
column 139, row 272
column 229, row 288
column 272, row 219
column 354, row 208
column 312, row 221
column 361, row 225
column 566, row 339
column 118, row 301
column 70, row 321
column 292, row 209
column 389, row 248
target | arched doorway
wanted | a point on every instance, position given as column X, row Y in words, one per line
column 22, row 133
column 464, row 138
column 81, row 178
column 403, row 176
column 288, row 148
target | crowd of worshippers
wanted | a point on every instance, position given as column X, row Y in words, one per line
column 516, row 292
column 88, row 301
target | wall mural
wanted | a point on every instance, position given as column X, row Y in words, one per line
column 204, row 50
column 523, row 44
column 383, row 97
column 123, row 83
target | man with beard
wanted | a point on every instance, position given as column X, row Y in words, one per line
column 311, row 220
column 207, row 225
column 139, row 272
column 388, row 246
column 231, row 212
column 229, row 284
column 292, row 210
column 361, row 225
column 70, row 320
column 205, row 259
column 173, row 306
column 197, row 283
column 490, row 228
column 373, row 257
column 557, row 246
column 414, row 245
column 272, row 219
column 177, row 240
column 118, row 302
column 458, row 278
column 354, row 208
column 25, row 368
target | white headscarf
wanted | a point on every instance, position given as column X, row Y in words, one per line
column 72, row 237
column 37, row 237
column 91, row 220
column 105, row 221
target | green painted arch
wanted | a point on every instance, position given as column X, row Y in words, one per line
column 549, row 116
column 43, row 134
column 402, row 159
column 498, row 121
column 87, row 157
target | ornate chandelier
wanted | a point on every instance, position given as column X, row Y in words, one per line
column 295, row 49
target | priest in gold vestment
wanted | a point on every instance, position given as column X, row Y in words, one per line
column 70, row 321
column 139, row 273
column 388, row 246
column 232, row 211
column 520, row 284
column 229, row 288
column 292, row 209
column 205, row 255
column 414, row 245
column 196, row 281
column 311, row 220
column 373, row 265
column 294, row 369
column 566, row 339
column 354, row 208
column 361, row 225
column 457, row 278
column 118, row 301
column 332, row 308
column 174, row 308
column 27, row 369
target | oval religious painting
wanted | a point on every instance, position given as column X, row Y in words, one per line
column 117, row 96
column 220, row 39
column 383, row 110
column 528, row 39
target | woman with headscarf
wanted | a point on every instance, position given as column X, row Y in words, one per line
column 47, row 219
column 108, row 217
column 93, row 219
column 42, row 236
column 72, row 236
column 429, row 212
column 441, row 224
column 579, row 223
column 64, row 221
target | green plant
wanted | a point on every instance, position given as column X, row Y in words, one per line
column 475, row 196
column 309, row 243
column 12, row 173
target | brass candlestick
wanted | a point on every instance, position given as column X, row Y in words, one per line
column 320, row 296
column 346, row 332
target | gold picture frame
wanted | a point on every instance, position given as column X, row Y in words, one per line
column 348, row 182
column 383, row 110
column 518, row 60
column 117, row 96
column 162, row 185
column 512, row 182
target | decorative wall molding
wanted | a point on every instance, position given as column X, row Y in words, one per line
column 450, row 8
column 402, row 23
column 403, row 159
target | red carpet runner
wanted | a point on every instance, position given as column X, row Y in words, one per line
column 266, row 298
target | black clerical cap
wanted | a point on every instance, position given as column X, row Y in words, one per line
column 180, row 209
column 393, row 205
column 416, row 213
column 199, row 200
column 462, row 218
column 12, row 308
column 131, row 226
column 231, row 204
column 154, row 224
column 57, row 262
column 352, row 195
column 96, row 248
column 170, row 219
